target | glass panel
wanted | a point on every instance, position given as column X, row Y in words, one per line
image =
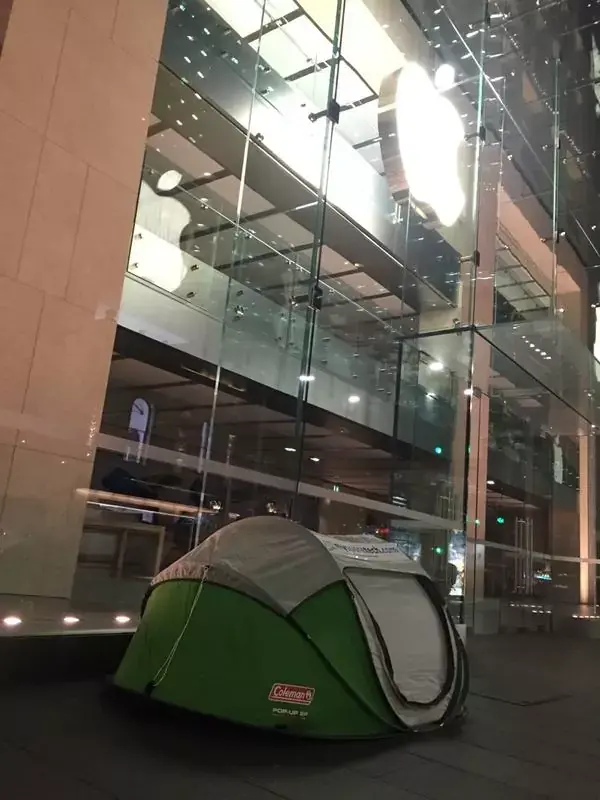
column 356, row 296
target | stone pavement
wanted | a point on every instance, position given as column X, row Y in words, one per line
column 533, row 731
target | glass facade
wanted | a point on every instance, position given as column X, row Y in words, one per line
column 360, row 294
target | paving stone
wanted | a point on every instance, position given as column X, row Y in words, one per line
column 343, row 784
column 24, row 777
column 66, row 742
column 513, row 771
column 440, row 782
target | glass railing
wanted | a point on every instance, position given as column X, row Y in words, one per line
column 551, row 355
column 257, row 296
column 260, row 295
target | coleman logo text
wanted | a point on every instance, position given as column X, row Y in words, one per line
column 288, row 693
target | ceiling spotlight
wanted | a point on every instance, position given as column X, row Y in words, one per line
column 315, row 459
column 436, row 366
column 12, row 622
column 70, row 620
column 445, row 77
column 306, row 378
column 353, row 399
column 290, row 449
column 491, row 483
column 122, row 619
column 169, row 180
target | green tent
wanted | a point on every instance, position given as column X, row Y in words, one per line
column 271, row 625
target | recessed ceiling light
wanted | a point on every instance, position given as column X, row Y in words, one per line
column 12, row 621
column 169, row 180
column 436, row 366
column 353, row 399
column 306, row 378
column 430, row 395
column 491, row 483
column 290, row 449
column 468, row 392
column 70, row 620
column 122, row 619
column 315, row 459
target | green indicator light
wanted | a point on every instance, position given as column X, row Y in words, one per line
column 437, row 450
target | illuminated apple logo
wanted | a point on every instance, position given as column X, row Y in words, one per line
column 421, row 136
column 155, row 254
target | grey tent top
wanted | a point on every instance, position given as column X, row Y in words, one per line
column 276, row 559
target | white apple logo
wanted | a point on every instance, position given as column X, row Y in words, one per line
column 430, row 133
column 155, row 250
column 595, row 74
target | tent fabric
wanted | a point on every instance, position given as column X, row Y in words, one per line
column 350, row 617
column 280, row 559
column 368, row 553
column 412, row 718
column 411, row 629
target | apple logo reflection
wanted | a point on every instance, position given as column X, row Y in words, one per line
column 156, row 254
column 421, row 138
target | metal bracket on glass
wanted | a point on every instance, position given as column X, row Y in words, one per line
column 316, row 298
column 332, row 112
column 475, row 257
column 560, row 234
column 481, row 134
